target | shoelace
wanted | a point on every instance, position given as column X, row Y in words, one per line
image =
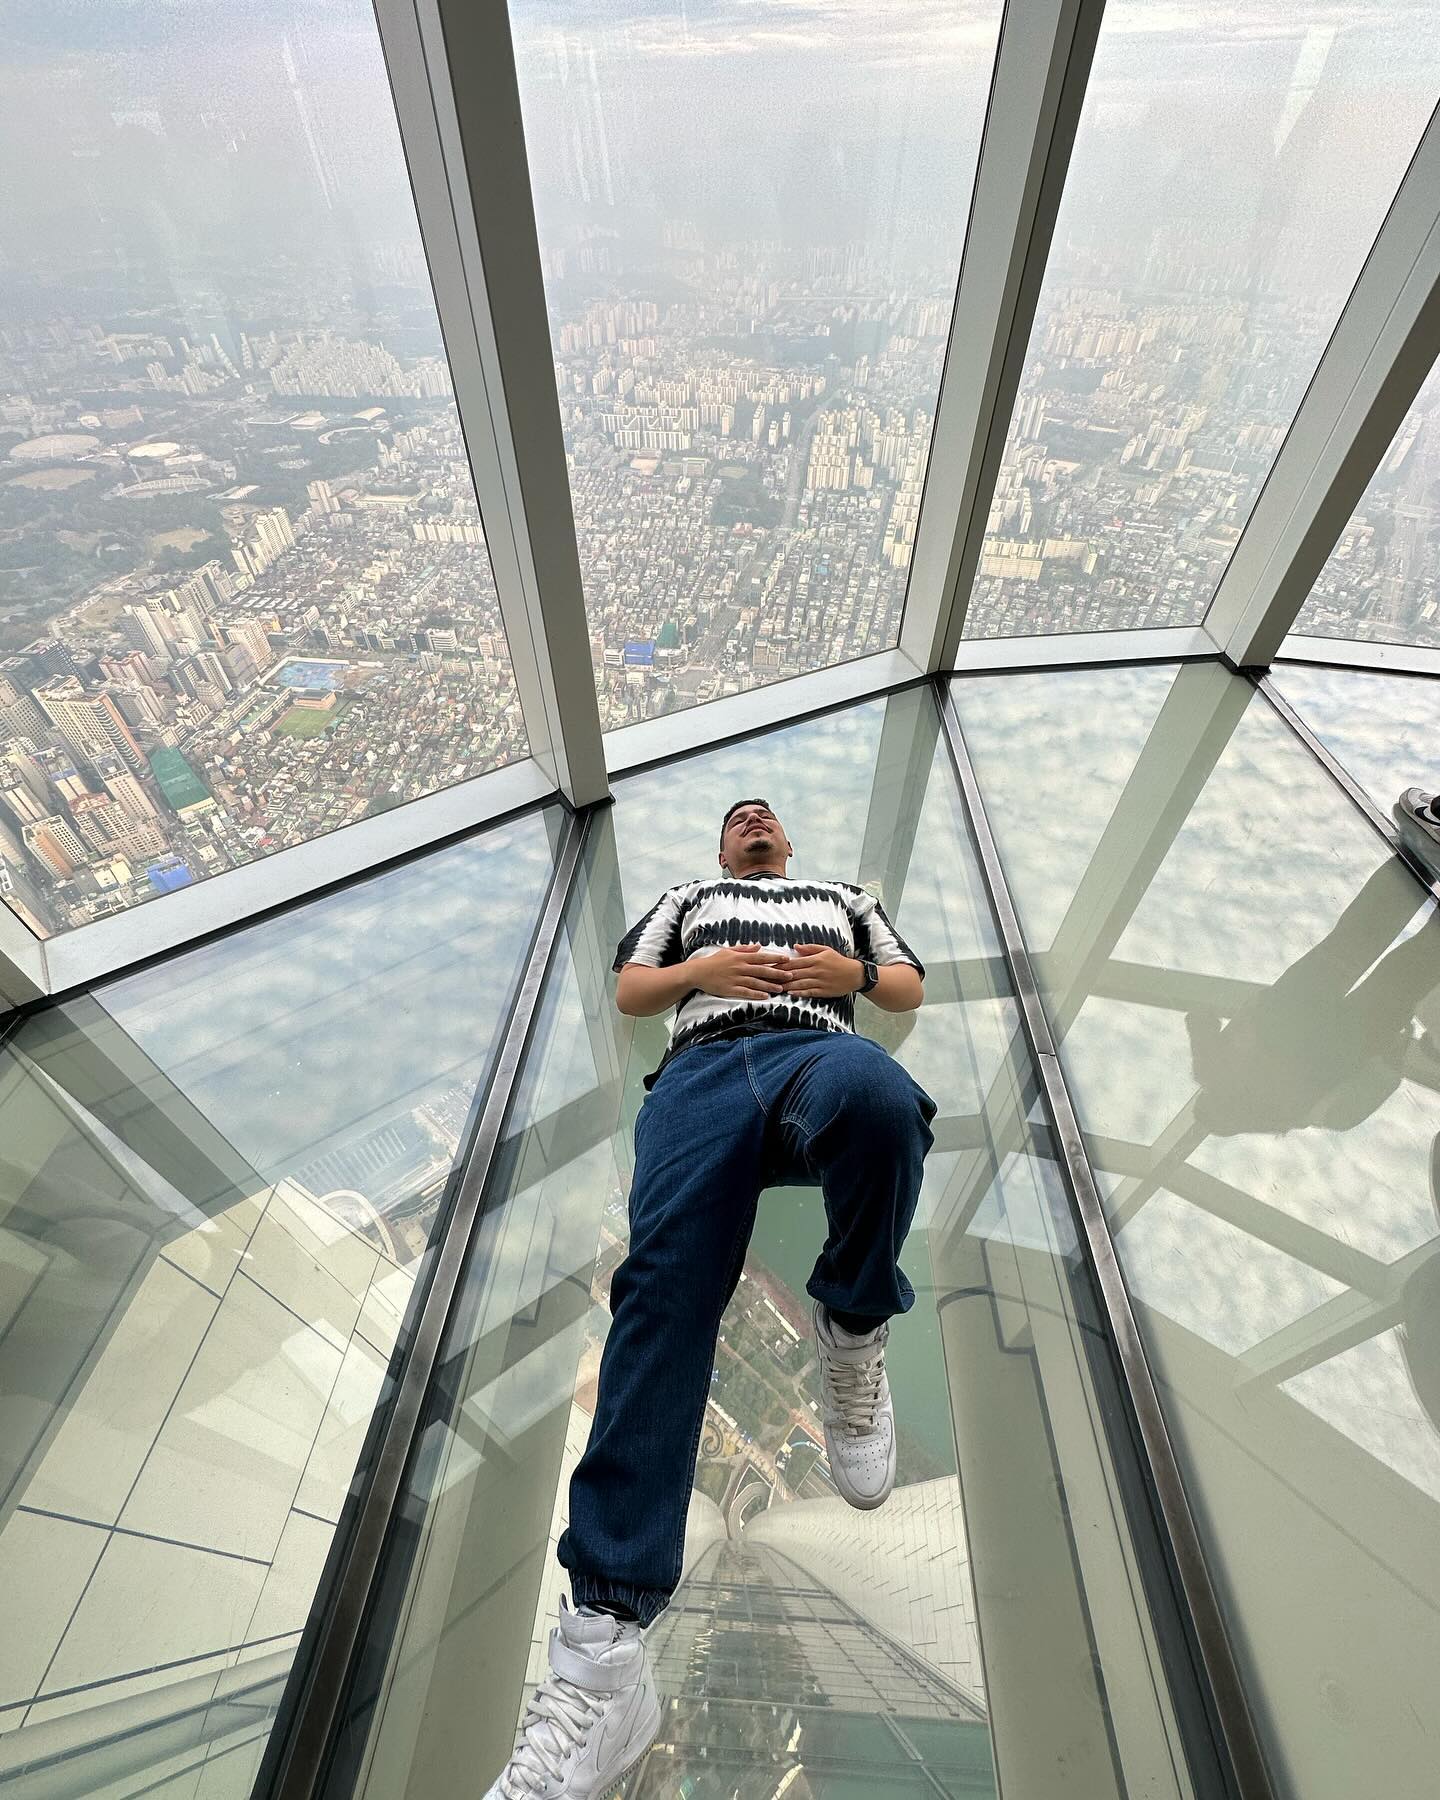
column 857, row 1390
column 556, row 1720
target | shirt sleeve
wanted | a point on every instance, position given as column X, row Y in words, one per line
column 876, row 938
column 654, row 940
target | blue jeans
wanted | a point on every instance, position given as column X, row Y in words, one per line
column 724, row 1120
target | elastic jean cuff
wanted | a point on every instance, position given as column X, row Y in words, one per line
column 646, row 1603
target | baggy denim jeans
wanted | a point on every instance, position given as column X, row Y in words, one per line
column 723, row 1121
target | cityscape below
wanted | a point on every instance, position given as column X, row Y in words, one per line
column 248, row 599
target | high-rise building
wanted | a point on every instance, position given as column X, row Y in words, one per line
column 90, row 723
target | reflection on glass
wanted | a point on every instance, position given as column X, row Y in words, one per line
column 1384, row 729
column 1227, row 181
column 217, row 1180
column 1248, row 994
column 809, row 1646
column 1382, row 580
column 247, row 594
column 749, row 302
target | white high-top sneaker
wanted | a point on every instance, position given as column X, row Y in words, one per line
column 592, row 1718
column 1418, row 816
column 858, row 1415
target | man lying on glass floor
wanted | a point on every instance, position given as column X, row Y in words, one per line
column 764, row 1082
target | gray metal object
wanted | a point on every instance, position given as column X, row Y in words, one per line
column 1227, row 1693
column 904, row 759
column 297, row 1754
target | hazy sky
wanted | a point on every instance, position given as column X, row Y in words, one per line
column 171, row 129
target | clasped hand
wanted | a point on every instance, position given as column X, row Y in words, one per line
column 812, row 971
column 822, row 971
column 747, row 971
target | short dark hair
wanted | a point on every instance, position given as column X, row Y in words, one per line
column 755, row 801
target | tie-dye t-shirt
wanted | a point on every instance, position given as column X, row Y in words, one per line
column 776, row 912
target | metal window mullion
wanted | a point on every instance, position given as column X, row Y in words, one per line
column 777, row 704
column 36, row 971
column 296, row 1755
column 1080, row 650
column 773, row 706
column 32, row 969
column 1042, row 65
column 452, row 74
column 1227, row 1697
column 1355, row 653
column 1378, row 357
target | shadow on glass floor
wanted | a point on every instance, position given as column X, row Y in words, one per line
column 991, row 1614
column 1246, row 992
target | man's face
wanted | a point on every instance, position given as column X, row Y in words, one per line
column 754, row 838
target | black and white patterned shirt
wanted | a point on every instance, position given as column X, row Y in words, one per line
column 776, row 912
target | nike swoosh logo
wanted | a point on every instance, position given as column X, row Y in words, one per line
column 614, row 1732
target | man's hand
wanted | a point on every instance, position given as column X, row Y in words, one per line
column 741, row 972
column 822, row 972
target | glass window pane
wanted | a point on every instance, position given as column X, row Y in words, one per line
column 1246, row 992
column 1383, row 728
column 749, row 301
column 218, row 1179
column 808, row 1646
column 1229, row 176
column 1381, row 582
column 247, row 594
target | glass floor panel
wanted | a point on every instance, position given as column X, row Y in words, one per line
column 1383, row 729
column 1246, row 991
column 218, row 1180
column 989, row 1617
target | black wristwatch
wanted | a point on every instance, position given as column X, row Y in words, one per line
column 872, row 975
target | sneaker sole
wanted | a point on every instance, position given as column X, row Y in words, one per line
column 864, row 1503
column 1420, row 844
column 613, row 1786
column 861, row 1502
